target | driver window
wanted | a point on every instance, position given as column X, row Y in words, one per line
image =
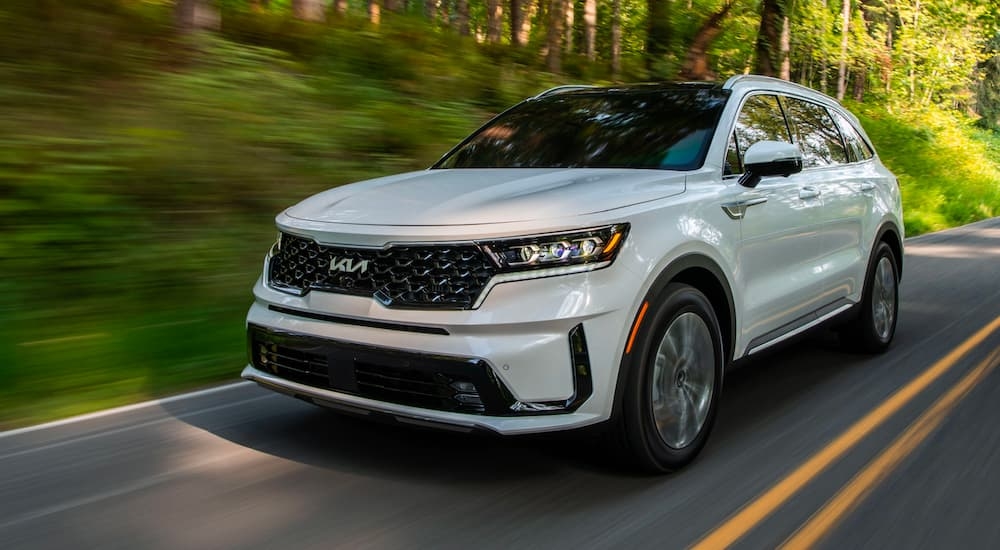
column 761, row 119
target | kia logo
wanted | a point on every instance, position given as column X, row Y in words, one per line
column 348, row 265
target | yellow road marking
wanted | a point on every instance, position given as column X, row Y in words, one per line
column 823, row 521
column 764, row 505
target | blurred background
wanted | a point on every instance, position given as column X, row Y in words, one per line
column 145, row 146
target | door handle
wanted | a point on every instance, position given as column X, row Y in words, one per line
column 808, row 192
column 867, row 186
column 738, row 209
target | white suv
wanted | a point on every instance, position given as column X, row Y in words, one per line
column 590, row 255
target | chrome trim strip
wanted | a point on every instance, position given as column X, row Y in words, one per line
column 737, row 210
column 801, row 329
column 364, row 404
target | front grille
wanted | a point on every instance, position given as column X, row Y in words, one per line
column 441, row 276
column 419, row 380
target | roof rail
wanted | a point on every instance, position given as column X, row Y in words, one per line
column 561, row 89
column 733, row 80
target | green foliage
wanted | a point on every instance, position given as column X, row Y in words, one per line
column 949, row 172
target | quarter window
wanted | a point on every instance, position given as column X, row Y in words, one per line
column 856, row 145
column 815, row 133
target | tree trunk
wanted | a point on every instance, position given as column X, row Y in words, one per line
column 590, row 28
column 308, row 10
column 887, row 64
column 393, row 5
column 553, row 58
column 824, row 66
column 184, row 14
column 494, row 21
column 444, row 13
column 570, row 8
column 196, row 14
column 340, row 7
column 785, row 51
column 430, row 9
column 860, row 77
column 374, row 12
column 516, row 16
column 767, row 37
column 913, row 72
column 695, row 65
column 616, row 37
column 845, row 22
column 658, row 31
column 462, row 17
column 527, row 15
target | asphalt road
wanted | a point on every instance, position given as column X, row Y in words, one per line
column 896, row 451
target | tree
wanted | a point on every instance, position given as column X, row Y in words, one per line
column 521, row 30
column 695, row 65
column 785, row 49
column 184, row 14
column 494, row 21
column 308, row 10
column 845, row 22
column 374, row 12
column 771, row 13
column 462, row 17
column 570, row 8
column 195, row 14
column 616, row 37
column 516, row 16
column 590, row 28
column 658, row 31
column 553, row 57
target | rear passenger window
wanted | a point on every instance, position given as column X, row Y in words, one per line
column 760, row 119
column 815, row 133
column 858, row 149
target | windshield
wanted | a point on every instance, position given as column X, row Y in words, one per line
column 662, row 128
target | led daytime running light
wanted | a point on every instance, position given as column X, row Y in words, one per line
column 547, row 251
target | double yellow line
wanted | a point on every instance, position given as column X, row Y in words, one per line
column 826, row 518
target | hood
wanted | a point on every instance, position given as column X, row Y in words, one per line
column 485, row 196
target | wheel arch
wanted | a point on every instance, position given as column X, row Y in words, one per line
column 890, row 234
column 704, row 274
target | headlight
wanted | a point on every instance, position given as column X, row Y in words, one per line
column 590, row 246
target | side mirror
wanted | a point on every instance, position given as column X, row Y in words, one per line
column 770, row 158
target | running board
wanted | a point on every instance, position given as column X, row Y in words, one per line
column 817, row 320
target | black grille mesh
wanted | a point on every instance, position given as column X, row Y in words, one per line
column 443, row 276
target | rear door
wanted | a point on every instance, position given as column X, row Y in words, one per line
column 828, row 170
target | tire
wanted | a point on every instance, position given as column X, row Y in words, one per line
column 872, row 330
column 657, row 429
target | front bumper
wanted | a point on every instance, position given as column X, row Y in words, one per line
column 521, row 351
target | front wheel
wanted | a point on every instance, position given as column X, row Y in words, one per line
column 673, row 382
column 873, row 329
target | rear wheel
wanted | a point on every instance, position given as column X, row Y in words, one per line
column 673, row 382
column 875, row 325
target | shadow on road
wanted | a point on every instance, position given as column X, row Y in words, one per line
column 296, row 431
